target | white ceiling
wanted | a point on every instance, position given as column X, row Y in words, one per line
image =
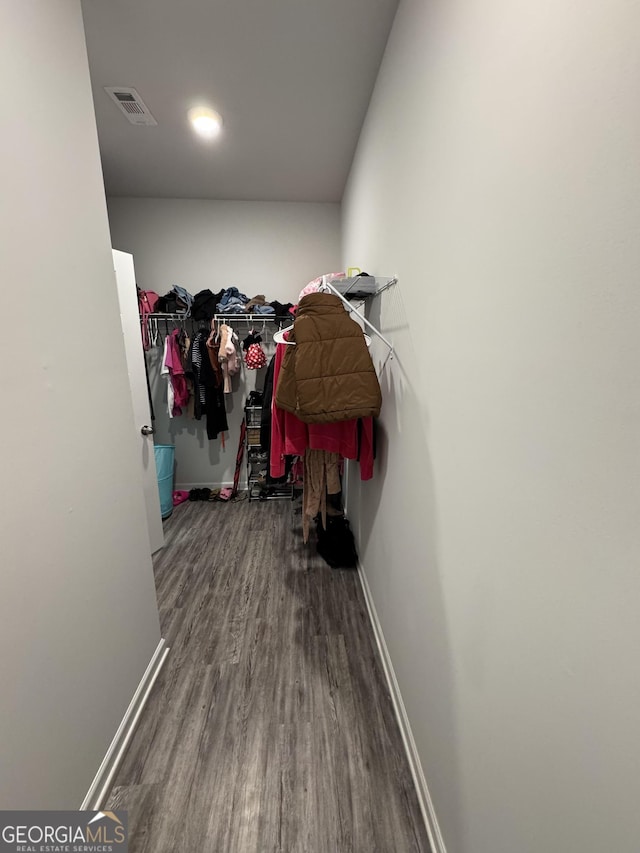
column 291, row 78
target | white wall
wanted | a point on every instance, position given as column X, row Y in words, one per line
column 272, row 248
column 497, row 174
column 78, row 616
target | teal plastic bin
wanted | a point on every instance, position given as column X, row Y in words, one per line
column 165, row 455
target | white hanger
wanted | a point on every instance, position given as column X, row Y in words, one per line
column 279, row 338
column 152, row 327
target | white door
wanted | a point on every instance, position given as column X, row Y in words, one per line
column 126, row 278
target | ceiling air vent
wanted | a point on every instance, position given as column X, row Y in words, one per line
column 131, row 104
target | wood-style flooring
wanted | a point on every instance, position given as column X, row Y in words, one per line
column 270, row 728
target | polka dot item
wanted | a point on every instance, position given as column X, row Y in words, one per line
column 255, row 357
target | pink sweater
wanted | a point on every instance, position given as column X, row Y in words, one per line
column 173, row 362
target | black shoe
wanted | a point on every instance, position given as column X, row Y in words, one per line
column 336, row 544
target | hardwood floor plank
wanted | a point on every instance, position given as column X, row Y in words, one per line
column 270, row 729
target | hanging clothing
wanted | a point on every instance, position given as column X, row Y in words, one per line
column 208, row 393
column 212, row 354
column 147, row 304
column 228, row 356
column 194, row 372
column 166, row 374
column 265, row 427
column 321, row 477
column 289, row 436
column 184, row 345
column 173, row 363
column 265, row 417
column 328, row 375
column 215, row 410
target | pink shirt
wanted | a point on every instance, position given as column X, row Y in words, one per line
column 173, row 361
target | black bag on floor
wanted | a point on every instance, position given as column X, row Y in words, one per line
column 336, row 544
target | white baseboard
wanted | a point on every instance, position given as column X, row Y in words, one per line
column 101, row 785
column 186, row 487
column 426, row 803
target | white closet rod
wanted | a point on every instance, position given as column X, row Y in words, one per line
column 258, row 318
column 270, row 318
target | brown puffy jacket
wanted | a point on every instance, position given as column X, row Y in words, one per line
column 328, row 375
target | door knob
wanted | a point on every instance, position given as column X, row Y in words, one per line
column 147, row 430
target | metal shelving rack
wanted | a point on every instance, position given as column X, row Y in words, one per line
column 258, row 487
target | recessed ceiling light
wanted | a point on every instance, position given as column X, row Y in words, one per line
column 205, row 122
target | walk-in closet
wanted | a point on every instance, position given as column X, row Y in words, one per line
column 270, row 725
column 321, row 427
